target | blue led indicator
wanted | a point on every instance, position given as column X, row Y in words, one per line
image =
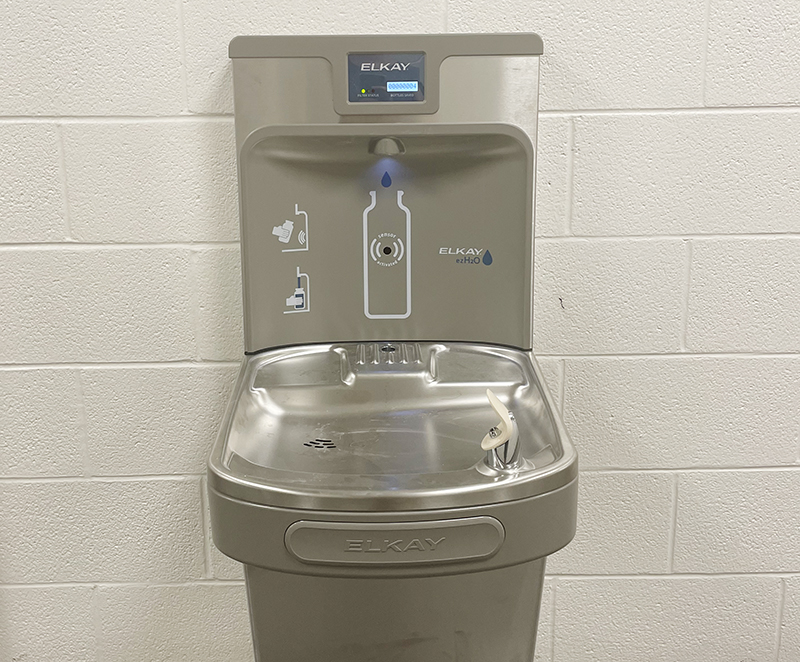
column 402, row 86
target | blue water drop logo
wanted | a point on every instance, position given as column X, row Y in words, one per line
column 386, row 182
column 487, row 258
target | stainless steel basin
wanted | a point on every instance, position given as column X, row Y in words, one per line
column 386, row 426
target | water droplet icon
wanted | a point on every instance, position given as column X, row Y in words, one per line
column 487, row 258
column 386, row 182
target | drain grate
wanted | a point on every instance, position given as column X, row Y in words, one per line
column 320, row 443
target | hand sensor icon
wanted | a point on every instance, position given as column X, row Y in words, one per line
column 284, row 232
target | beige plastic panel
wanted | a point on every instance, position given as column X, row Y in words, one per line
column 335, row 49
column 488, row 88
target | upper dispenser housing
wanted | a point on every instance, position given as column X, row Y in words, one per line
column 386, row 187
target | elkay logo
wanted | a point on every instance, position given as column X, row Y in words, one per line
column 468, row 255
column 385, row 66
column 383, row 546
column 461, row 251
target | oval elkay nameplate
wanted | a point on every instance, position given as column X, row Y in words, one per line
column 398, row 543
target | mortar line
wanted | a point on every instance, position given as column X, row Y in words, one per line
column 194, row 301
column 75, row 246
column 687, row 285
column 83, row 424
column 562, row 380
column 143, row 584
column 209, row 574
column 97, row 620
column 114, row 365
column 114, row 119
column 690, row 469
column 672, row 355
column 673, row 529
column 101, row 478
column 680, row 576
column 779, row 628
column 789, row 234
column 684, row 110
column 570, row 183
column 554, row 583
column 62, row 172
column 182, row 46
column 704, row 55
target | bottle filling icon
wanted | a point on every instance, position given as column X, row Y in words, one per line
column 387, row 255
column 298, row 302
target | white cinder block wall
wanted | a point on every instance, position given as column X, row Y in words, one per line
column 667, row 318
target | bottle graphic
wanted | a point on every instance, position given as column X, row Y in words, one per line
column 298, row 302
column 387, row 255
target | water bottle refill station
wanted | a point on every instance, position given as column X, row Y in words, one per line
column 391, row 470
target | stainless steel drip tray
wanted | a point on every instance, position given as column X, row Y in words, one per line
column 385, row 426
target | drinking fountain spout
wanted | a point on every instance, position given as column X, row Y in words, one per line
column 501, row 443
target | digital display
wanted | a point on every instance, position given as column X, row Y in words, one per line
column 402, row 86
column 386, row 77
